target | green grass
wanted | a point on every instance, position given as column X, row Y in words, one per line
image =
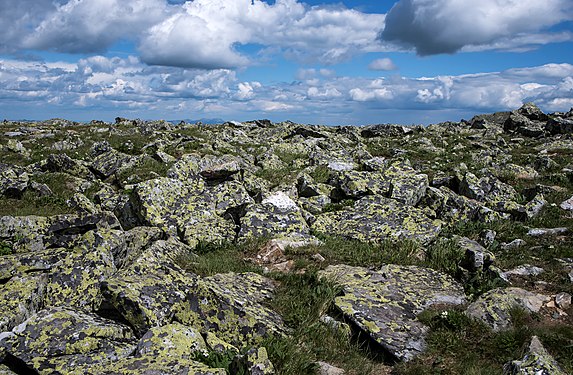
column 146, row 169
column 32, row 204
column 302, row 298
column 213, row 258
column 5, row 248
column 321, row 174
column 458, row 344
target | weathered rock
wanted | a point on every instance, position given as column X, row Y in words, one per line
column 534, row 207
column 494, row 307
column 523, row 270
column 558, row 125
column 515, row 244
column 64, row 164
column 374, row 219
column 384, row 303
column 357, row 184
column 327, row 369
column 567, row 204
column 254, row 362
column 406, row 185
column 563, row 300
column 20, row 298
column 198, row 212
column 26, row 233
column 274, row 218
column 477, row 258
column 232, row 306
column 541, row 232
column 382, row 130
column 75, row 280
column 536, row 362
column 110, row 162
column 13, row 181
column 451, row 207
column 145, row 291
column 57, row 339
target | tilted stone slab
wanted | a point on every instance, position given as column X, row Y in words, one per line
column 145, row 291
column 375, row 219
column 58, row 339
column 384, row 303
column 232, row 306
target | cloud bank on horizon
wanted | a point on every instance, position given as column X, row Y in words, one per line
column 316, row 61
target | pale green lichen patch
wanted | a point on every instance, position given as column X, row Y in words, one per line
column 21, row 297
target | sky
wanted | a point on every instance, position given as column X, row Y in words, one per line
column 342, row 62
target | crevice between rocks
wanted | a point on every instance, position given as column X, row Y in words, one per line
column 17, row 365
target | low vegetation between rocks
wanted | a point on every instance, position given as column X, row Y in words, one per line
column 146, row 247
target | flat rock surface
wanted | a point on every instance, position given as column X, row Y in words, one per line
column 384, row 303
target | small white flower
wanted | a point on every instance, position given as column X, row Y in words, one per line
column 444, row 314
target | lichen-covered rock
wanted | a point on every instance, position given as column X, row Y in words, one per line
column 199, row 212
column 58, row 339
column 213, row 167
column 273, row 219
column 145, row 291
column 357, row 184
column 384, row 303
column 477, row 258
column 64, row 164
column 171, row 340
column 67, row 230
column 5, row 370
column 558, row 125
column 494, row 307
column 254, row 362
column 25, row 233
column 232, row 306
column 136, row 240
column 13, row 180
column 536, row 362
column 374, row 219
column 110, row 162
column 75, row 280
column 382, row 130
column 449, row 206
column 21, row 297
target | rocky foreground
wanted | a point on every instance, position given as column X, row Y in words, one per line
column 103, row 228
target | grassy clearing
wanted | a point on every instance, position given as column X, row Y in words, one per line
column 213, row 258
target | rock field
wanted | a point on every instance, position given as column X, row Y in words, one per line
column 145, row 247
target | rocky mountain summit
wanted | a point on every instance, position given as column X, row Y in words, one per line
column 146, row 247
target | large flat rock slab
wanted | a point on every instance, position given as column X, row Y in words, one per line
column 375, row 219
column 384, row 303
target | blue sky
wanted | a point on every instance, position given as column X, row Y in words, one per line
column 322, row 62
